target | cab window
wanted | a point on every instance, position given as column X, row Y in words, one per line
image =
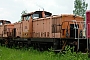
column 27, row 18
column 34, row 16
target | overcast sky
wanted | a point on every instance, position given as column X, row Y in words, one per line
column 11, row 9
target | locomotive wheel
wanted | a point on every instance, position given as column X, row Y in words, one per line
column 6, row 41
column 20, row 44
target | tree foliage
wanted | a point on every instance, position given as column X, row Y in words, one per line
column 80, row 8
column 24, row 12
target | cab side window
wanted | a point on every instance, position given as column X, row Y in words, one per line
column 35, row 16
column 27, row 18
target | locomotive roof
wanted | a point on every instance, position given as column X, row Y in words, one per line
column 8, row 24
column 38, row 12
column 65, row 15
column 4, row 21
column 62, row 15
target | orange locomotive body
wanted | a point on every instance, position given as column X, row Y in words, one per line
column 6, row 28
column 42, row 29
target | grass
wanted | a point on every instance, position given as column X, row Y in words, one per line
column 30, row 54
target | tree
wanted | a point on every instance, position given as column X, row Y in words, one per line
column 23, row 12
column 80, row 8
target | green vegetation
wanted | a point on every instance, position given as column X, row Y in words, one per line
column 80, row 8
column 30, row 54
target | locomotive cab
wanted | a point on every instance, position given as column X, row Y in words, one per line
column 27, row 21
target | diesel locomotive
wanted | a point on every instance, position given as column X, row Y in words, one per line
column 43, row 30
